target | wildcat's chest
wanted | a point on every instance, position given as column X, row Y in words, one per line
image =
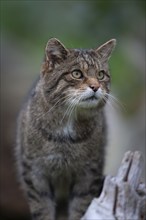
column 77, row 132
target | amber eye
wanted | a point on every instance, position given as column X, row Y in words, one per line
column 77, row 74
column 101, row 75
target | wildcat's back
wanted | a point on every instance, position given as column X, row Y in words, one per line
column 61, row 133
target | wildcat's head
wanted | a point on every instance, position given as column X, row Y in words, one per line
column 76, row 77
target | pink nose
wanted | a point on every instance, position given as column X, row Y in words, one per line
column 94, row 87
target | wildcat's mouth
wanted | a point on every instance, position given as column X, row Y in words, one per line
column 91, row 98
column 89, row 102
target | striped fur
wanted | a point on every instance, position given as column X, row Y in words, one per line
column 62, row 130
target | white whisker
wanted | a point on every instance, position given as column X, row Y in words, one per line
column 116, row 102
column 68, row 108
column 113, row 102
column 107, row 101
column 62, row 100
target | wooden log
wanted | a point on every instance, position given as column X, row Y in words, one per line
column 123, row 197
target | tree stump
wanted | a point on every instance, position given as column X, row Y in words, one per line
column 123, row 197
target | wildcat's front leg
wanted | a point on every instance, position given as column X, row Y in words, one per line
column 78, row 206
column 39, row 194
column 41, row 209
column 84, row 191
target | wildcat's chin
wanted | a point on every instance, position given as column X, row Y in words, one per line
column 93, row 100
column 90, row 103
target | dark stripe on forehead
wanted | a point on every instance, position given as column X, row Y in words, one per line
column 82, row 61
column 87, row 59
column 93, row 59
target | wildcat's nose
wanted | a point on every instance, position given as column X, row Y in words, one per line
column 94, row 87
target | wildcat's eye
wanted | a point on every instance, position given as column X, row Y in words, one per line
column 77, row 74
column 101, row 75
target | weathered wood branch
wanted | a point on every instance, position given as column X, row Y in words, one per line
column 123, row 197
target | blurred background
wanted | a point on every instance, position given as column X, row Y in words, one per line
column 26, row 27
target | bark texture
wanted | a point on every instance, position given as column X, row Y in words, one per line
column 124, row 196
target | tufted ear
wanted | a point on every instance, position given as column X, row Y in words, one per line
column 55, row 53
column 105, row 50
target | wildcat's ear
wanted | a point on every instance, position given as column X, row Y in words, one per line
column 105, row 50
column 55, row 53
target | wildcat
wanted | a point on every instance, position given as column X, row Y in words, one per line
column 62, row 131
